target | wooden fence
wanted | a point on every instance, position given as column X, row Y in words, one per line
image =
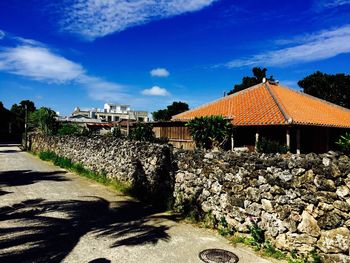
column 177, row 134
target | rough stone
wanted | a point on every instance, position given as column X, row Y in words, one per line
column 254, row 209
column 335, row 258
column 326, row 161
column 335, row 240
column 266, row 205
column 330, row 220
column 272, row 224
column 343, row 191
column 308, row 225
column 324, row 184
column 303, row 242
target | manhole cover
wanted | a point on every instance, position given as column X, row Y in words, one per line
column 218, row 256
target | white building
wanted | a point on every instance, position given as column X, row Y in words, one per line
column 112, row 113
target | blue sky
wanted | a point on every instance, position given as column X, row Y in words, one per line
column 148, row 53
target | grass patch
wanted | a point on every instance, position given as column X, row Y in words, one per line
column 266, row 249
column 79, row 169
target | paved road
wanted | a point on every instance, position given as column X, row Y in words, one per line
column 49, row 215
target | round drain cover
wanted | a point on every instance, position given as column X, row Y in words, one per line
column 218, row 256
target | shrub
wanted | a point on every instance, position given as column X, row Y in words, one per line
column 211, row 131
column 142, row 132
column 117, row 132
column 344, row 142
column 256, row 232
column 69, row 129
column 162, row 140
column 269, row 146
column 44, row 120
column 223, row 228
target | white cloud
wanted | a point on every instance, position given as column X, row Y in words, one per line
column 2, row 34
column 156, row 91
column 307, row 48
column 159, row 72
column 38, row 63
column 34, row 60
column 97, row 18
column 102, row 90
column 334, row 3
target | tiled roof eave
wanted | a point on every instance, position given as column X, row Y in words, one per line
column 322, row 125
column 260, row 124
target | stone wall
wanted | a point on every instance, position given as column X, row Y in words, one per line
column 302, row 202
column 145, row 166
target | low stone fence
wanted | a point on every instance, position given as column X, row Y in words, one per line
column 302, row 202
column 145, row 166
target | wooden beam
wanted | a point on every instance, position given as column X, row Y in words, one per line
column 256, row 140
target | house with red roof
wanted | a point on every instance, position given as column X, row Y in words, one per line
column 272, row 111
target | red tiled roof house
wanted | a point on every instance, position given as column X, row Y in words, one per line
column 302, row 122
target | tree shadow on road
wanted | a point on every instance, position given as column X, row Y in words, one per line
column 27, row 177
column 8, row 151
column 46, row 231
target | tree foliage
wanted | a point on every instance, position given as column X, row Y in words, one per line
column 18, row 112
column 344, row 142
column 44, row 120
column 210, row 131
column 270, row 146
column 333, row 88
column 19, row 109
column 117, row 132
column 165, row 114
column 71, row 129
column 142, row 132
column 247, row 82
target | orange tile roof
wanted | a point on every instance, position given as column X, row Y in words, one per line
column 271, row 104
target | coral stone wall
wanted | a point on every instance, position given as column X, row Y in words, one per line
column 143, row 165
column 302, row 202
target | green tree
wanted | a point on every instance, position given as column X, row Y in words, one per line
column 210, row 131
column 165, row 114
column 19, row 109
column 160, row 115
column 247, row 82
column 44, row 119
column 333, row 88
column 18, row 113
column 142, row 132
column 117, row 132
column 70, row 129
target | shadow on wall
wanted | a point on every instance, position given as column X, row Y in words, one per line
column 47, row 231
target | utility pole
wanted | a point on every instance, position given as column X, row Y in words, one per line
column 26, row 126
